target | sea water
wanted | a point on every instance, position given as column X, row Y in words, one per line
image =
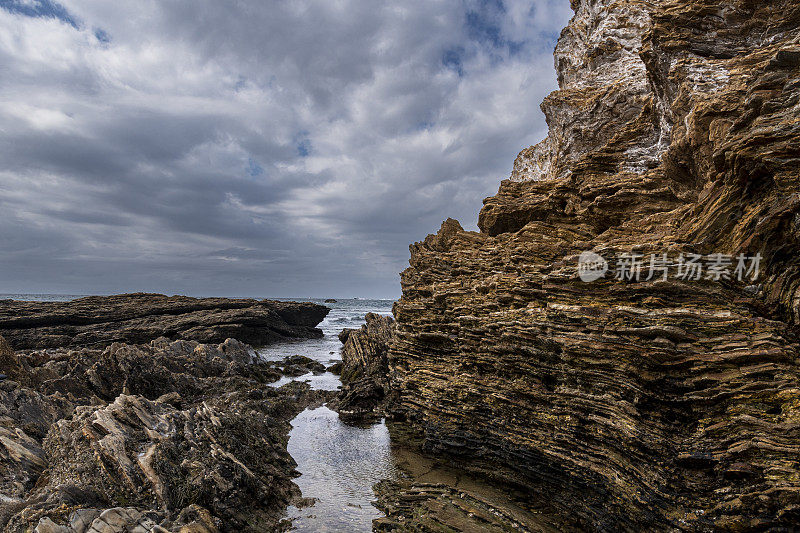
column 338, row 463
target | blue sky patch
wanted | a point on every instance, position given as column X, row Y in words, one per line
column 483, row 24
column 102, row 36
column 452, row 59
column 253, row 168
column 303, row 144
column 40, row 9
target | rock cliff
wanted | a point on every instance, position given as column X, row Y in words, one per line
column 140, row 318
column 668, row 403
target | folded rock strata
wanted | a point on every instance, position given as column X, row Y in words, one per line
column 364, row 349
column 163, row 436
column 364, row 370
column 140, row 318
column 629, row 405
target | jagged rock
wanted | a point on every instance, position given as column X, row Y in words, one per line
column 139, row 318
column 25, row 418
column 649, row 405
column 344, row 334
column 364, row 370
column 224, row 454
column 10, row 365
column 364, row 350
column 150, row 370
column 174, row 435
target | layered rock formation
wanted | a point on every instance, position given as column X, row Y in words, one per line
column 364, row 370
column 660, row 404
column 166, row 436
column 364, row 349
column 140, row 318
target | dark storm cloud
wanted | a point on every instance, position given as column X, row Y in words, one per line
column 280, row 148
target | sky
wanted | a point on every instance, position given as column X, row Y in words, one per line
column 256, row 148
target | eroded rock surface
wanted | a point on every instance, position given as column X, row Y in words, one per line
column 140, row 318
column 433, row 507
column 364, row 350
column 364, row 369
column 629, row 405
column 166, row 436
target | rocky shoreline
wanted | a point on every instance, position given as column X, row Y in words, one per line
column 168, row 435
column 625, row 402
column 98, row 321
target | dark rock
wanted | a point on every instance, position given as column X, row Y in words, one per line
column 170, row 435
column 330, row 301
column 9, row 362
column 139, row 318
column 364, row 350
column 344, row 334
column 336, row 368
column 364, row 369
column 294, row 371
column 297, row 365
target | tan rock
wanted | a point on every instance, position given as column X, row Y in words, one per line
column 629, row 405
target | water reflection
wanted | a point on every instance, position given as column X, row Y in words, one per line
column 339, row 465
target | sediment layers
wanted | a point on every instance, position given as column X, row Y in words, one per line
column 364, row 370
column 139, row 318
column 364, row 349
column 627, row 404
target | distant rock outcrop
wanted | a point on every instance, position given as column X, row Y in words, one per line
column 638, row 403
column 140, row 318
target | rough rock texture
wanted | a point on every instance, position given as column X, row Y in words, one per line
column 364, row 350
column 140, row 318
column 364, row 370
column 172, row 434
column 628, row 405
column 434, row 507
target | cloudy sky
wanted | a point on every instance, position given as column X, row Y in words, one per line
column 284, row 148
